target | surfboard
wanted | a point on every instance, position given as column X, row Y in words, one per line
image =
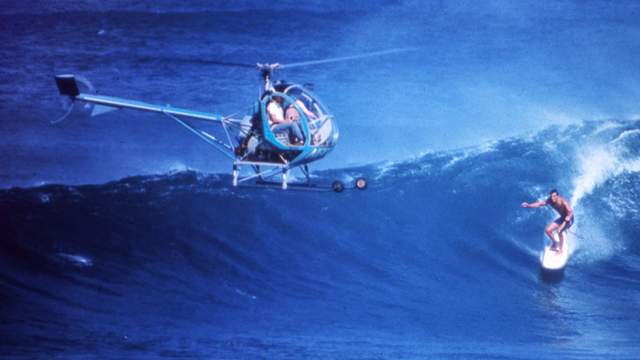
column 554, row 261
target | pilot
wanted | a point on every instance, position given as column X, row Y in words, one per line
column 279, row 124
column 292, row 113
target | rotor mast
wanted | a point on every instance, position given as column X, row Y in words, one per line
column 265, row 71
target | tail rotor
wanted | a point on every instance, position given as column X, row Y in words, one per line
column 69, row 90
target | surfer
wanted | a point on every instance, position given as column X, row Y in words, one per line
column 561, row 205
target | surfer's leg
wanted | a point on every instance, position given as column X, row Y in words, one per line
column 561, row 237
column 561, row 226
column 549, row 231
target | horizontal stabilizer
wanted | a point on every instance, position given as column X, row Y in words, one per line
column 101, row 109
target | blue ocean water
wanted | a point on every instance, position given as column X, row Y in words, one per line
column 161, row 258
column 435, row 259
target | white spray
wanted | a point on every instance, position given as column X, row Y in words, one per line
column 597, row 164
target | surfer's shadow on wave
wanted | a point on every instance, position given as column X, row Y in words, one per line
column 551, row 277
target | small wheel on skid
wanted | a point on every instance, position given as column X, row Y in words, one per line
column 361, row 183
column 337, row 186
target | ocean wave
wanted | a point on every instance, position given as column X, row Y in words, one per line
column 429, row 234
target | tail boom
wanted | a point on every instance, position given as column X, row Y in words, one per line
column 68, row 86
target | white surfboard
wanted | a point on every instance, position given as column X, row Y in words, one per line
column 552, row 260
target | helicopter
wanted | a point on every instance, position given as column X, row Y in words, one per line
column 254, row 142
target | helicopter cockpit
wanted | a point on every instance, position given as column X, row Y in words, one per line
column 308, row 128
column 322, row 129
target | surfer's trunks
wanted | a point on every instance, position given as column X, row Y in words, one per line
column 560, row 220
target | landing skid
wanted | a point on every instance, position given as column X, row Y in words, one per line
column 263, row 171
column 297, row 186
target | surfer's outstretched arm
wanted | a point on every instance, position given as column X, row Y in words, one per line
column 536, row 204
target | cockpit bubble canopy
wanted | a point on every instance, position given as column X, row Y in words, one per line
column 301, row 105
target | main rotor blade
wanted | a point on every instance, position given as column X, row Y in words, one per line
column 226, row 63
column 346, row 58
column 196, row 61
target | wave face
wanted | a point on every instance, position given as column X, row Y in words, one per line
column 435, row 258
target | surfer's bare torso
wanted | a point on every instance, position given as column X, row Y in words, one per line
column 560, row 205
